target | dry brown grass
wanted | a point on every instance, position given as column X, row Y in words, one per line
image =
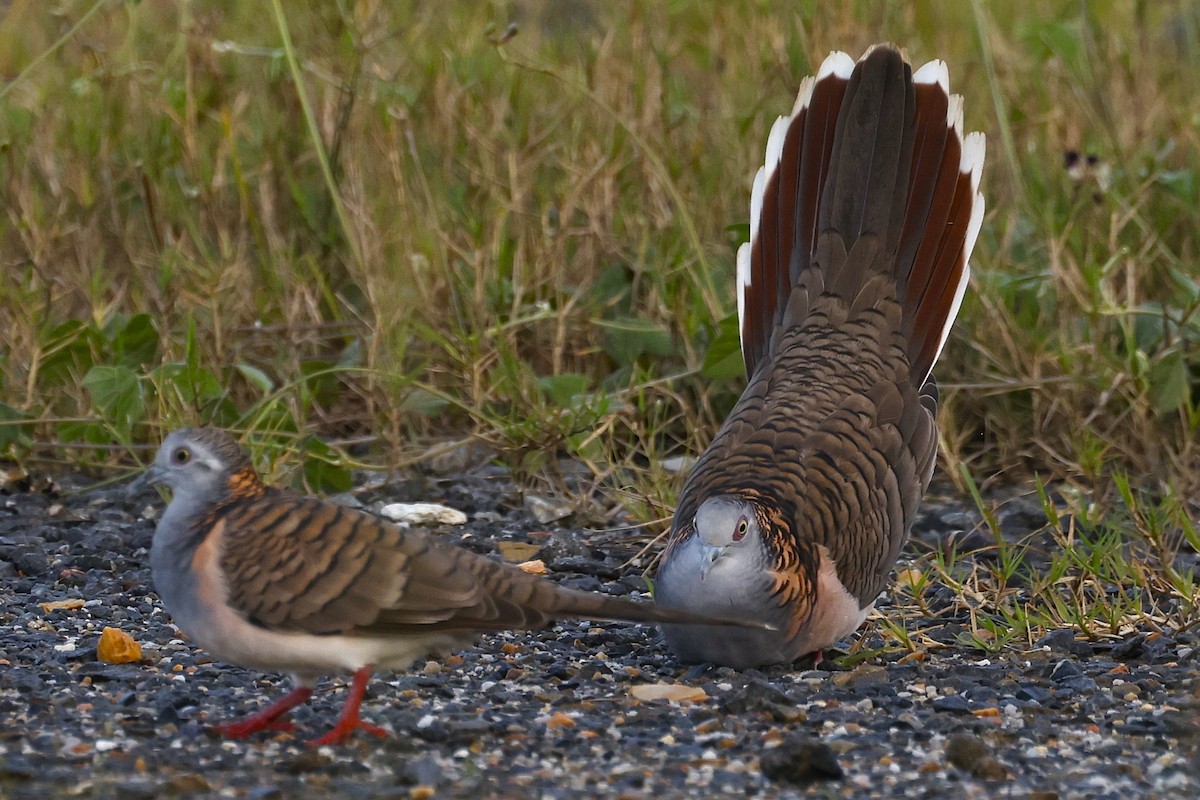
column 554, row 204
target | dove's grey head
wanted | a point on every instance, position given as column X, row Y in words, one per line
column 197, row 460
column 201, row 465
column 727, row 530
column 719, row 568
column 205, row 468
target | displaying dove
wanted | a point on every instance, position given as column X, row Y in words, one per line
column 861, row 223
column 283, row 582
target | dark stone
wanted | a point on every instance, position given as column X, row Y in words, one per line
column 310, row 759
column 1131, row 648
column 759, row 696
column 800, row 760
column 1021, row 516
column 1032, row 694
column 1058, row 641
column 16, row 769
column 188, row 783
column 563, row 545
column 137, row 789
column 423, row 770
column 29, row 559
column 1064, row 671
column 584, row 566
column 953, row 704
column 268, row 792
column 1181, row 726
column 980, row 694
column 971, row 754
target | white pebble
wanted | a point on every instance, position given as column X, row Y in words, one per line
column 423, row 514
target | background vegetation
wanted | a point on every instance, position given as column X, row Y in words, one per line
column 383, row 224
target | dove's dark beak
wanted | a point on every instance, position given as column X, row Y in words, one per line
column 708, row 556
column 151, row 477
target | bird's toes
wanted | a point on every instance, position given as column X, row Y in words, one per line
column 342, row 732
column 375, row 729
column 249, row 727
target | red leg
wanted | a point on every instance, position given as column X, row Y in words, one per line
column 349, row 722
column 268, row 718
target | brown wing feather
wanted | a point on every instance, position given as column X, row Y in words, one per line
column 301, row 564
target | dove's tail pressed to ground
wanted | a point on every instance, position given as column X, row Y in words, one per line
column 595, row 606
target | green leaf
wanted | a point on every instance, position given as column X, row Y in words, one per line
column 256, row 377
column 134, row 343
column 563, row 389
column 628, row 338
column 322, row 468
column 117, row 394
column 193, row 384
column 68, row 352
column 1170, row 387
column 612, row 289
column 723, row 360
column 1056, row 39
column 322, row 384
column 11, row 434
column 90, row 432
column 352, row 354
column 423, row 402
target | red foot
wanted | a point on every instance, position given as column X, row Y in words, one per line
column 269, row 718
column 349, row 722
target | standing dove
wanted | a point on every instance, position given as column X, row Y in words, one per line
column 861, row 223
column 283, row 582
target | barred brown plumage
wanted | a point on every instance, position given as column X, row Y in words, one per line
column 862, row 220
column 283, row 582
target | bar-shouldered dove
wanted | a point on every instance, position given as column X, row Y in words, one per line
column 861, row 223
column 287, row 583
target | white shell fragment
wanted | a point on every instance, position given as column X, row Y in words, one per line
column 423, row 514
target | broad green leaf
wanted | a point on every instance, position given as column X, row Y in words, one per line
column 68, row 352
column 628, row 338
column 193, row 384
column 422, row 402
column 90, row 432
column 723, row 360
column 256, row 377
column 322, row 470
column 135, row 342
column 563, row 389
column 1169, row 383
column 11, row 431
column 322, row 384
column 117, row 394
column 611, row 289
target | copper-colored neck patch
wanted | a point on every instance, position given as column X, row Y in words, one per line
column 245, row 483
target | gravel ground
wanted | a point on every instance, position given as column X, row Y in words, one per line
column 552, row 713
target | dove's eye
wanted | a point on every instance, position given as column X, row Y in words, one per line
column 181, row 456
column 739, row 532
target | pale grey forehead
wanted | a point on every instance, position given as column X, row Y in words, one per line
column 720, row 513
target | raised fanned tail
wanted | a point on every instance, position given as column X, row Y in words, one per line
column 805, row 188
